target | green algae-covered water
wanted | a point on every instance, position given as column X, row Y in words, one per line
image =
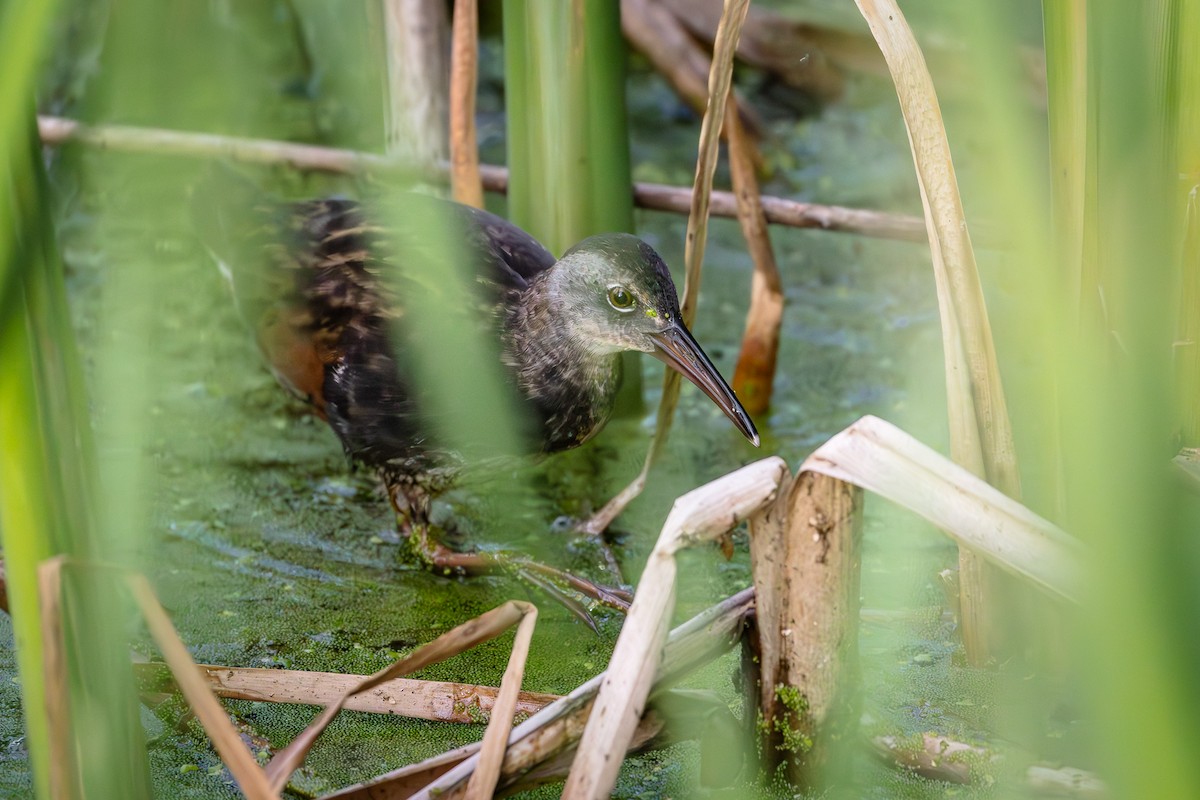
column 269, row 551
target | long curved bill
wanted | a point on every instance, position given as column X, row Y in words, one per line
column 677, row 349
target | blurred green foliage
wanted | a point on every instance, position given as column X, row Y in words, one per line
column 268, row 553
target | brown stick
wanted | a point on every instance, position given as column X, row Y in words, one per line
column 654, row 196
column 3, row 589
column 791, row 213
column 458, row 639
column 465, row 182
column 755, row 372
column 432, row 700
column 941, row 758
column 250, row 778
column 806, row 564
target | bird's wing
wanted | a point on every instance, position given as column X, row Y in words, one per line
column 510, row 249
column 327, row 288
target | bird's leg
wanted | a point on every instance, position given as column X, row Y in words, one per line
column 412, row 514
column 412, row 518
column 610, row 558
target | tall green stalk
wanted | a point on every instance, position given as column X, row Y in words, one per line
column 46, row 461
column 1116, row 398
column 1184, row 76
column 47, row 508
column 568, row 141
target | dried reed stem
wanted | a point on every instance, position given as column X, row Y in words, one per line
column 980, row 431
column 556, row 729
column 754, row 375
column 466, row 185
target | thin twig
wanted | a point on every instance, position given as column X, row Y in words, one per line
column 482, row 784
column 653, row 196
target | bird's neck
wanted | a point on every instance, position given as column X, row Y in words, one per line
column 572, row 386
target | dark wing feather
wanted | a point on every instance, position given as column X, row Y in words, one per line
column 506, row 246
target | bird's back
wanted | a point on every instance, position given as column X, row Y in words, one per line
column 326, row 292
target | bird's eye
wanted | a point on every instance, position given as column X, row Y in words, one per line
column 620, row 298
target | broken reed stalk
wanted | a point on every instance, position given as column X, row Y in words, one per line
column 700, row 515
column 482, row 784
column 980, row 431
column 806, row 563
column 754, row 376
column 879, row 457
column 437, row 701
column 556, row 729
column 653, row 196
column 720, row 79
column 463, row 637
column 465, row 184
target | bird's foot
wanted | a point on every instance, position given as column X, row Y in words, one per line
column 442, row 559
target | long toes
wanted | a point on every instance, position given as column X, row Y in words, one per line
column 607, row 595
column 577, row 609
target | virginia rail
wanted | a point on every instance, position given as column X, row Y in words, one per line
column 325, row 290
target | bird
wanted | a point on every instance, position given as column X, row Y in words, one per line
column 333, row 290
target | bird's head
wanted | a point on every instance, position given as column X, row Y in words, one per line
column 618, row 295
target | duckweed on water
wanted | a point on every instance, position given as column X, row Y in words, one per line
column 269, row 551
